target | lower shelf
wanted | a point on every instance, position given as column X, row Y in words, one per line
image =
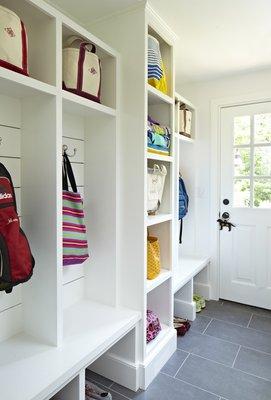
column 90, row 329
column 154, row 344
column 187, row 268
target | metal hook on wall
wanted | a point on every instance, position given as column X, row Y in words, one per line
column 65, row 150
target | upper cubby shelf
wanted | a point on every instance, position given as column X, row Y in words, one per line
column 185, row 119
column 41, row 31
column 107, row 57
column 157, row 97
column 77, row 105
column 19, row 86
column 166, row 51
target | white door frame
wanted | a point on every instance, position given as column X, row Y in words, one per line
column 216, row 106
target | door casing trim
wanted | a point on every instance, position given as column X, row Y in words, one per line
column 215, row 117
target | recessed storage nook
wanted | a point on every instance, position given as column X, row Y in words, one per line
column 68, row 320
column 191, row 271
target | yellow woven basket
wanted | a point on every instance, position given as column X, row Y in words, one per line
column 153, row 257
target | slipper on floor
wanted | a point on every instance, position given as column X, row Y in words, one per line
column 94, row 392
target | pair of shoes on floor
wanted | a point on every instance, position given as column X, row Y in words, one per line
column 94, row 392
column 181, row 325
column 200, row 302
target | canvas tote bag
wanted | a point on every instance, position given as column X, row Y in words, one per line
column 156, row 182
column 81, row 69
column 156, row 69
column 13, row 42
column 75, row 245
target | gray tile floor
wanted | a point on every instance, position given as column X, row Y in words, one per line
column 226, row 355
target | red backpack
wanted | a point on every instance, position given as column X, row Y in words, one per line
column 16, row 260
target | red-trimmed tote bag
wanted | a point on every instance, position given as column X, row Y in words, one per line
column 13, row 42
column 75, row 245
column 81, row 69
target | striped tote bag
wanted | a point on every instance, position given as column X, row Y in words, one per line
column 75, row 245
column 156, row 69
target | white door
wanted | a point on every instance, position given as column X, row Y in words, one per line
column 245, row 251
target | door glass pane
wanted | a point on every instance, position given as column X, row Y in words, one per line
column 241, row 195
column 262, row 125
column 262, row 161
column 242, row 130
column 262, row 193
column 242, row 161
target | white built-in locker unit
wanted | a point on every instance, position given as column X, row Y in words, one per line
column 94, row 315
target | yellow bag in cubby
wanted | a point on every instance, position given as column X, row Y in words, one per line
column 153, row 257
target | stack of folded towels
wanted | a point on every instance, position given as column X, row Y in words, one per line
column 158, row 138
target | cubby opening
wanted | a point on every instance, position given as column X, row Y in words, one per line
column 163, row 232
column 41, row 32
column 87, row 137
column 166, row 205
column 167, row 57
column 26, row 124
column 163, row 309
column 108, row 67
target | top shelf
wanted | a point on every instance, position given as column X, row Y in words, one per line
column 157, row 97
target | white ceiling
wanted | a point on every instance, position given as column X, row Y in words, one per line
column 217, row 37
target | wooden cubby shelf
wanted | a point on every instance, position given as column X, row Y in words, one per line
column 158, row 219
column 164, row 275
column 78, row 105
column 159, row 157
column 157, row 97
column 19, row 86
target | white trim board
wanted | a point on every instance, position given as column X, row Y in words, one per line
column 215, row 110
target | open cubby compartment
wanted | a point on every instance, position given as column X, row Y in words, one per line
column 159, row 301
column 73, row 390
column 184, row 306
column 41, row 31
column 119, row 362
column 166, row 203
column 163, row 232
column 163, row 114
column 108, row 63
column 202, row 282
column 166, row 49
column 28, row 129
column 92, row 137
column 181, row 101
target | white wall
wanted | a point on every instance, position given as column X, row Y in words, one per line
column 201, row 94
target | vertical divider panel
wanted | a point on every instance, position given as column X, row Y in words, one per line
column 41, row 213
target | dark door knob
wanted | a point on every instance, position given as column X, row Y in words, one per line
column 226, row 202
column 225, row 215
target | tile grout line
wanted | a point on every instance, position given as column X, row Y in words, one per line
column 250, row 319
column 197, row 387
column 241, row 326
column 209, row 323
column 182, row 364
column 190, row 384
column 237, row 354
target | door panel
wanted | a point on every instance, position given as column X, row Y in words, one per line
column 245, row 251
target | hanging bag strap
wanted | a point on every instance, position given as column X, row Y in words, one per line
column 67, row 174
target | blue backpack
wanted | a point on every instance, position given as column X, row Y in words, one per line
column 183, row 204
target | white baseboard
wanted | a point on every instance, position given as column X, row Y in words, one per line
column 202, row 289
column 185, row 309
column 157, row 359
column 132, row 375
column 118, row 370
